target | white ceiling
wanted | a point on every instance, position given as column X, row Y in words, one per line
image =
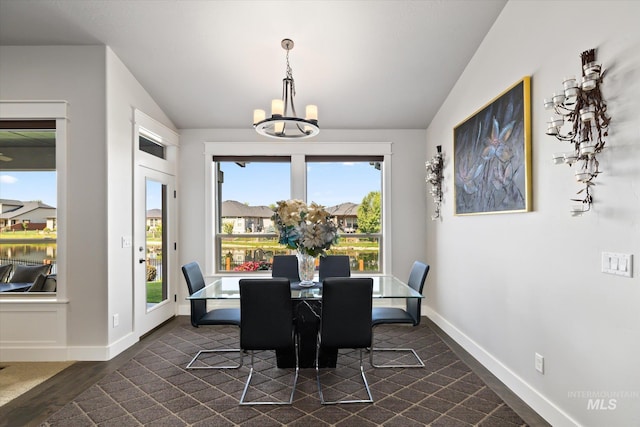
column 208, row 64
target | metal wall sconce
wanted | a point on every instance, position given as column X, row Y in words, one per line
column 580, row 105
column 435, row 167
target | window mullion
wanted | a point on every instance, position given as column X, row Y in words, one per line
column 298, row 177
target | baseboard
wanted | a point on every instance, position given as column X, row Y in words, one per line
column 539, row 403
column 122, row 344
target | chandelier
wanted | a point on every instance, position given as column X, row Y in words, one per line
column 581, row 107
column 281, row 125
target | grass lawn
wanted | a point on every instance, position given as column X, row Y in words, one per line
column 154, row 292
column 27, row 235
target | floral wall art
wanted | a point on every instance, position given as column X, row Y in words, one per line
column 492, row 155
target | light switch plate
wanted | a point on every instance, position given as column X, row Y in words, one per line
column 617, row 263
column 126, row 241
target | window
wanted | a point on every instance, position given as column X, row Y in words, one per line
column 245, row 190
column 248, row 189
column 351, row 189
column 28, row 193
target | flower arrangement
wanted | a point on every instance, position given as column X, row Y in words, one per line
column 308, row 229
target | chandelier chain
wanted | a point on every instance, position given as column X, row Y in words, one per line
column 290, row 75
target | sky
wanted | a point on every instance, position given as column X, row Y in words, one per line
column 29, row 186
column 328, row 184
column 257, row 184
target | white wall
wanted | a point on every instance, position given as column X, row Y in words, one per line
column 101, row 95
column 124, row 94
column 75, row 75
column 509, row 285
column 408, row 192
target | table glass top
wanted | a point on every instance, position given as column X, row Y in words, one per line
column 227, row 288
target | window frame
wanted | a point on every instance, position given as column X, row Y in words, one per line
column 298, row 152
column 58, row 111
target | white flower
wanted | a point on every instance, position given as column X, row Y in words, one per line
column 306, row 228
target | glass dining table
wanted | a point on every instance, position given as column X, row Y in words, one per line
column 307, row 303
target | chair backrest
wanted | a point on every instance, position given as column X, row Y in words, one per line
column 38, row 284
column 266, row 314
column 29, row 273
column 334, row 266
column 50, row 283
column 195, row 282
column 285, row 266
column 346, row 312
column 5, row 270
column 417, row 277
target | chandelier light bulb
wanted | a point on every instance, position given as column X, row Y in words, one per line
column 277, row 107
column 311, row 112
column 258, row 115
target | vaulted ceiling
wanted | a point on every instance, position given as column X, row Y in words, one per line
column 209, row 63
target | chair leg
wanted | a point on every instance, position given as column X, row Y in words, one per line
column 219, row 350
column 420, row 363
column 260, row 402
column 364, row 380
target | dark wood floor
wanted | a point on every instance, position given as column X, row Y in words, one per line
column 37, row 405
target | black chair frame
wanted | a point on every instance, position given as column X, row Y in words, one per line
column 411, row 315
column 345, row 323
column 216, row 317
column 266, row 324
column 334, row 266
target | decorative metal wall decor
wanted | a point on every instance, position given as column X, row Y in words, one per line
column 580, row 106
column 492, row 155
column 435, row 168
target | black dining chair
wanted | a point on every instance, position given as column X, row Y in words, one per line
column 201, row 317
column 29, row 273
column 334, row 266
column 345, row 322
column 285, row 266
column 266, row 324
column 410, row 315
column 5, row 271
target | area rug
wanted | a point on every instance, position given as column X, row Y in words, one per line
column 153, row 388
column 17, row 378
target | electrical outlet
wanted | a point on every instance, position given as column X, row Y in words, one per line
column 539, row 363
column 116, row 320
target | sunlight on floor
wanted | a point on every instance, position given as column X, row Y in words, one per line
column 17, row 378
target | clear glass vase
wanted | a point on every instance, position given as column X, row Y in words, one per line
column 306, row 267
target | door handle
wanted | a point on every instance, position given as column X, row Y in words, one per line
column 141, row 260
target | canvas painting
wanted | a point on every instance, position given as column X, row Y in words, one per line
column 492, row 155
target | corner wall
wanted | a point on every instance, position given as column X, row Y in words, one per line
column 124, row 94
column 506, row 286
